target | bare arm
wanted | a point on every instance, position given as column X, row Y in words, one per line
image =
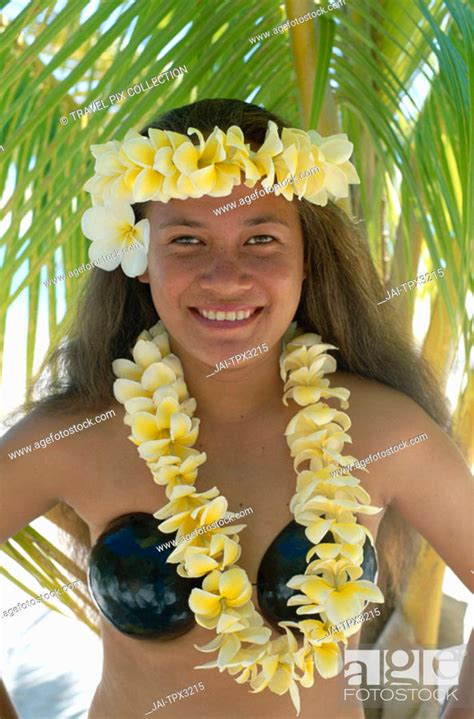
column 35, row 481
column 434, row 491
column 30, row 484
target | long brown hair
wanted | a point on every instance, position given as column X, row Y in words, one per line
column 339, row 302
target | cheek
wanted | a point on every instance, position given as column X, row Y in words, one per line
column 167, row 283
column 171, row 273
column 283, row 272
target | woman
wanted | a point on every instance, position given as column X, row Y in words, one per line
column 264, row 262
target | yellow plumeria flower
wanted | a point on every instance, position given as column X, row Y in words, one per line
column 154, row 155
column 206, row 169
column 238, row 152
column 338, row 506
column 215, row 551
column 318, row 433
column 332, row 571
column 295, row 337
column 342, row 524
column 298, row 156
column 308, row 385
column 220, row 591
column 261, row 162
column 126, row 369
column 145, row 353
column 172, row 471
column 305, row 361
column 332, row 550
column 168, row 432
column 235, row 627
column 167, row 422
column 177, row 512
column 298, row 354
column 312, row 418
column 158, row 375
column 205, row 551
column 160, row 337
column 320, row 650
column 126, row 389
column 334, row 152
column 113, row 230
column 320, row 447
column 115, row 172
column 333, row 595
column 311, row 484
column 278, row 669
column 144, row 153
column 245, row 661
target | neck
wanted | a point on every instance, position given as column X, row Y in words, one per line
column 251, row 390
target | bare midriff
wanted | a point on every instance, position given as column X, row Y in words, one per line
column 140, row 675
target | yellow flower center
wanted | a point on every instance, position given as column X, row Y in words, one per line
column 128, row 233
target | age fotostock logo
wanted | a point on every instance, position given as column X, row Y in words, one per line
column 379, row 676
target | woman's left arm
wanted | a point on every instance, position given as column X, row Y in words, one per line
column 434, row 491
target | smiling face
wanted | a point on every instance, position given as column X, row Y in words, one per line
column 226, row 283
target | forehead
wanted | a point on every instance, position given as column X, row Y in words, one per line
column 199, row 212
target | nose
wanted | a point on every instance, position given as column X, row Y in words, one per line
column 225, row 274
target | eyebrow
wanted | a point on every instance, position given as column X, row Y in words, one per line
column 180, row 221
column 261, row 219
column 251, row 221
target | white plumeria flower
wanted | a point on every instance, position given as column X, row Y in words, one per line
column 112, row 229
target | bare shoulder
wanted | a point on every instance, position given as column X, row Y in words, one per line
column 47, row 442
column 397, row 434
column 53, row 426
column 378, row 400
column 35, row 468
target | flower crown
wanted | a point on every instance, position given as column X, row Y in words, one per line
column 169, row 165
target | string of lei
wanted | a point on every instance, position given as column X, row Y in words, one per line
column 160, row 412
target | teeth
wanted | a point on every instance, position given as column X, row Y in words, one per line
column 228, row 316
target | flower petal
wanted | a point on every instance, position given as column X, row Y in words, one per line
column 201, row 602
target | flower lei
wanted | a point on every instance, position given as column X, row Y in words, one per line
column 168, row 165
column 160, row 412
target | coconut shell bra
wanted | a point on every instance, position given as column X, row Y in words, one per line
column 143, row 596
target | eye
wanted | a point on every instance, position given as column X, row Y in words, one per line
column 185, row 240
column 261, row 240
